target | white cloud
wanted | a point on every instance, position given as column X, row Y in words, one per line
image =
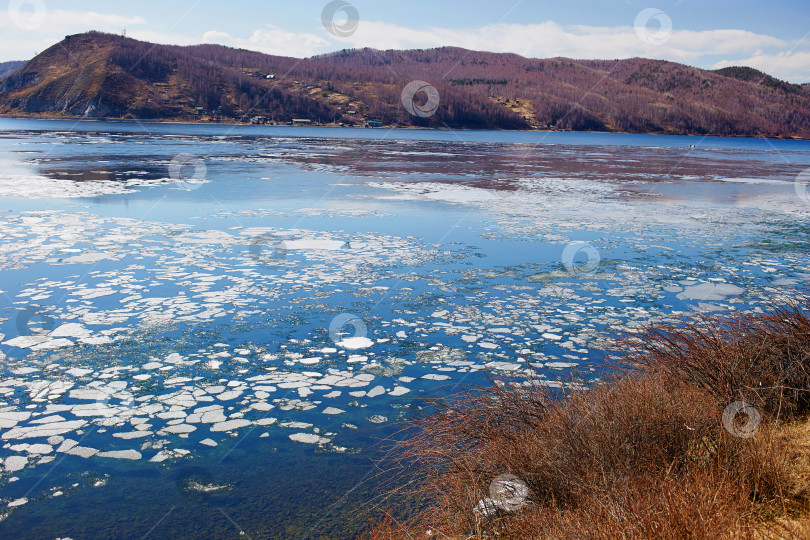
column 272, row 40
column 24, row 48
column 163, row 38
column 536, row 40
column 61, row 21
column 549, row 39
column 789, row 66
column 44, row 29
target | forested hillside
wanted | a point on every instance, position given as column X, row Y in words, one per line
column 104, row 75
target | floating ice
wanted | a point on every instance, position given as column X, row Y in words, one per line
column 15, row 463
column 354, row 343
column 10, row 418
column 313, row 244
column 295, row 425
column 40, row 449
column 710, row 291
column 82, row 451
column 308, row 438
column 230, row 425
column 33, row 432
column 132, row 435
column 74, row 330
column 560, row 365
column 229, row 396
column 435, row 377
column 26, row 342
column 179, row 428
column 79, row 372
column 376, row 391
column 121, row 454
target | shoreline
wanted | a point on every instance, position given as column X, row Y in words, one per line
column 335, row 126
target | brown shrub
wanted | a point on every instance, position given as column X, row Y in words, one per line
column 762, row 359
column 642, row 455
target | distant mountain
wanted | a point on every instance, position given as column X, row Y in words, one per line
column 8, row 67
column 103, row 75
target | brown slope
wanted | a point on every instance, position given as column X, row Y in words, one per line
column 98, row 74
column 636, row 95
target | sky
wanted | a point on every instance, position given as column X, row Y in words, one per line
column 772, row 36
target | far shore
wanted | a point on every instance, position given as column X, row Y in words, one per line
column 231, row 122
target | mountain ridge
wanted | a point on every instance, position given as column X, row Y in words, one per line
column 9, row 67
column 109, row 76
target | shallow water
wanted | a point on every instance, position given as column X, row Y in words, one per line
column 209, row 330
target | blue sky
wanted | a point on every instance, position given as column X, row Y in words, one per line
column 772, row 36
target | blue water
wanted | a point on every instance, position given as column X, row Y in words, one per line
column 243, row 315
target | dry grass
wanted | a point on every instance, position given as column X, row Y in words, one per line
column 763, row 359
column 643, row 455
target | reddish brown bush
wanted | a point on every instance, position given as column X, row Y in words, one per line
column 763, row 359
column 643, row 455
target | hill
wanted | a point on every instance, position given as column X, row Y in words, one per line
column 635, row 95
column 8, row 67
column 103, row 75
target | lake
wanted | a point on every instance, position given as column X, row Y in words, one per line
column 217, row 331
